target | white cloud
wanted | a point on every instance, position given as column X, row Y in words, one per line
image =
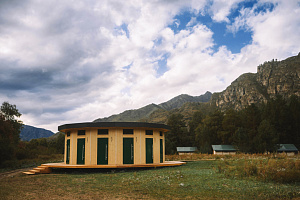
column 274, row 32
column 192, row 22
column 74, row 62
column 221, row 9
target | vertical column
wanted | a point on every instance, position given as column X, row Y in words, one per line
column 93, row 146
column 73, row 152
column 65, row 154
column 156, row 147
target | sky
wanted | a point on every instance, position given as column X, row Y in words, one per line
column 78, row 60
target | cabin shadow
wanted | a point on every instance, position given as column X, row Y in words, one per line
column 78, row 171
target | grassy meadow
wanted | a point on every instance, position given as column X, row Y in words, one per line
column 207, row 177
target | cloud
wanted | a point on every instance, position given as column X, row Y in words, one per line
column 273, row 27
column 71, row 62
column 220, row 9
column 192, row 22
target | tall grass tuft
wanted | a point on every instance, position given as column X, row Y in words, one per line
column 283, row 170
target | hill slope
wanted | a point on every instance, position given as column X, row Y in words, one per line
column 145, row 112
column 30, row 132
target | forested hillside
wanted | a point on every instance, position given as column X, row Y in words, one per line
column 30, row 132
column 145, row 112
column 257, row 128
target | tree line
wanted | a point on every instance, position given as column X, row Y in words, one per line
column 12, row 148
column 258, row 128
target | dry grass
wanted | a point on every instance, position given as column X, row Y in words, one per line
column 277, row 170
column 195, row 180
column 200, row 156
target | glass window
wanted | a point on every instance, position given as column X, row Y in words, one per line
column 149, row 132
column 102, row 131
column 160, row 133
column 68, row 134
column 128, row 131
column 81, row 132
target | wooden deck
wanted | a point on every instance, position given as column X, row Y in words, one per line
column 47, row 168
column 165, row 164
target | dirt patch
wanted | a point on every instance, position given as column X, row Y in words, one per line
column 13, row 172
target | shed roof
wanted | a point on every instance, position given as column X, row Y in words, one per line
column 223, row 148
column 186, row 149
column 287, row 148
column 113, row 124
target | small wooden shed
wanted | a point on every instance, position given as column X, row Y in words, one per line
column 288, row 149
column 224, row 149
column 186, row 150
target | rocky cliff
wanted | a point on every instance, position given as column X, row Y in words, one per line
column 272, row 78
column 281, row 78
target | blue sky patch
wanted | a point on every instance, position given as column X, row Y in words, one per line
column 180, row 21
column 244, row 4
column 221, row 36
column 128, row 66
column 162, row 65
column 123, row 27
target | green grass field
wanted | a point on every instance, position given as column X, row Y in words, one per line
column 194, row 180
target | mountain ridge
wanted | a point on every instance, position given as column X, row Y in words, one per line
column 30, row 132
column 272, row 78
column 146, row 111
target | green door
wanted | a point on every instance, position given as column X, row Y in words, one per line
column 68, row 152
column 149, row 150
column 128, row 151
column 161, row 151
column 80, row 151
column 102, row 151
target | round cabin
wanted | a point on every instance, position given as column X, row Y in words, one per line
column 114, row 143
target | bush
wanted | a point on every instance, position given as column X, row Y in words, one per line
column 40, row 159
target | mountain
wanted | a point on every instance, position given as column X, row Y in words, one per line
column 187, row 110
column 180, row 100
column 131, row 115
column 55, row 136
column 30, row 132
column 143, row 113
column 272, row 78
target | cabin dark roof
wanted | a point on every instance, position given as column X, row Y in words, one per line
column 224, row 148
column 287, row 148
column 113, row 124
column 186, row 149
